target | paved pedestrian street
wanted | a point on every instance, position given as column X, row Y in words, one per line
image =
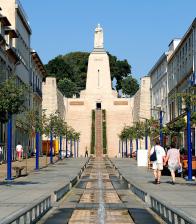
column 100, row 197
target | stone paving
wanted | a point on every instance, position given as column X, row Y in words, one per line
column 181, row 196
column 29, row 165
column 24, row 191
column 100, row 197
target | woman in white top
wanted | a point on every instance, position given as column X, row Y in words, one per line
column 173, row 158
column 19, row 151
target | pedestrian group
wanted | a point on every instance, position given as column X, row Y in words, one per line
column 159, row 159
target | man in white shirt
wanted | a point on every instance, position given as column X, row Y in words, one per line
column 157, row 165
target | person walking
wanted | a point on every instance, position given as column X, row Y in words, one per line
column 86, row 152
column 19, row 150
column 1, row 155
column 173, row 158
column 157, row 165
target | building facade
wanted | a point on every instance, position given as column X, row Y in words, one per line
column 8, row 60
column 22, row 62
column 181, row 77
column 37, row 74
column 53, row 101
column 142, row 108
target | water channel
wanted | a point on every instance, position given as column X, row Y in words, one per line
column 100, row 197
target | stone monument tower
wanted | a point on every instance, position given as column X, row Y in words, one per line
column 99, row 96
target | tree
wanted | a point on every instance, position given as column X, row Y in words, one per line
column 176, row 127
column 67, row 87
column 54, row 125
column 129, row 86
column 31, row 122
column 73, row 66
column 78, row 62
column 12, row 98
column 193, row 118
column 58, row 68
column 119, row 69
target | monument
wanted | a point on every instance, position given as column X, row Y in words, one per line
column 98, row 40
column 99, row 115
column 99, row 96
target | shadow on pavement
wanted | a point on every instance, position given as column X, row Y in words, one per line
column 10, row 183
column 60, row 216
column 142, row 216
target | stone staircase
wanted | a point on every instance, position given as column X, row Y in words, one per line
column 98, row 133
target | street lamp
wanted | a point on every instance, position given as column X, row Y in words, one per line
column 189, row 146
column 158, row 108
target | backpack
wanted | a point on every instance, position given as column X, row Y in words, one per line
column 153, row 156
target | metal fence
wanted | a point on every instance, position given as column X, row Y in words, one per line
column 31, row 214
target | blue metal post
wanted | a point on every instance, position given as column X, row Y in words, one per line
column 189, row 144
column 146, row 141
column 9, row 148
column 126, row 147
column 74, row 148
column 146, row 136
column 51, row 146
column 71, row 153
column 60, row 151
column 119, row 147
column 122, row 150
column 136, row 146
column 161, row 126
column 37, row 151
column 66, row 147
column 77, row 147
column 131, row 147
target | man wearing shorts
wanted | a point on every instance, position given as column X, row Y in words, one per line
column 157, row 165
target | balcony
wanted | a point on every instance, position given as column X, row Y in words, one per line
column 2, row 40
column 11, row 32
column 12, row 53
column 5, row 20
column 37, row 91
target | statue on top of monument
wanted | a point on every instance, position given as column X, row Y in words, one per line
column 98, row 41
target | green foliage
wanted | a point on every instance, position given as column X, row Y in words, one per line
column 73, row 66
column 76, row 136
column 78, row 62
column 55, row 124
column 127, row 133
column 58, row 68
column 12, row 98
column 93, row 133
column 129, row 86
column 104, row 132
column 119, row 69
column 139, row 130
column 177, row 126
column 193, row 118
column 153, row 128
column 31, row 122
column 67, row 87
column 189, row 98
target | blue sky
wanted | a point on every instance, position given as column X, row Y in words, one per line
column 136, row 30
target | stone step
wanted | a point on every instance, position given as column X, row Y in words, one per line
column 98, row 128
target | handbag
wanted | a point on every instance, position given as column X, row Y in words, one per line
column 180, row 169
column 153, row 156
